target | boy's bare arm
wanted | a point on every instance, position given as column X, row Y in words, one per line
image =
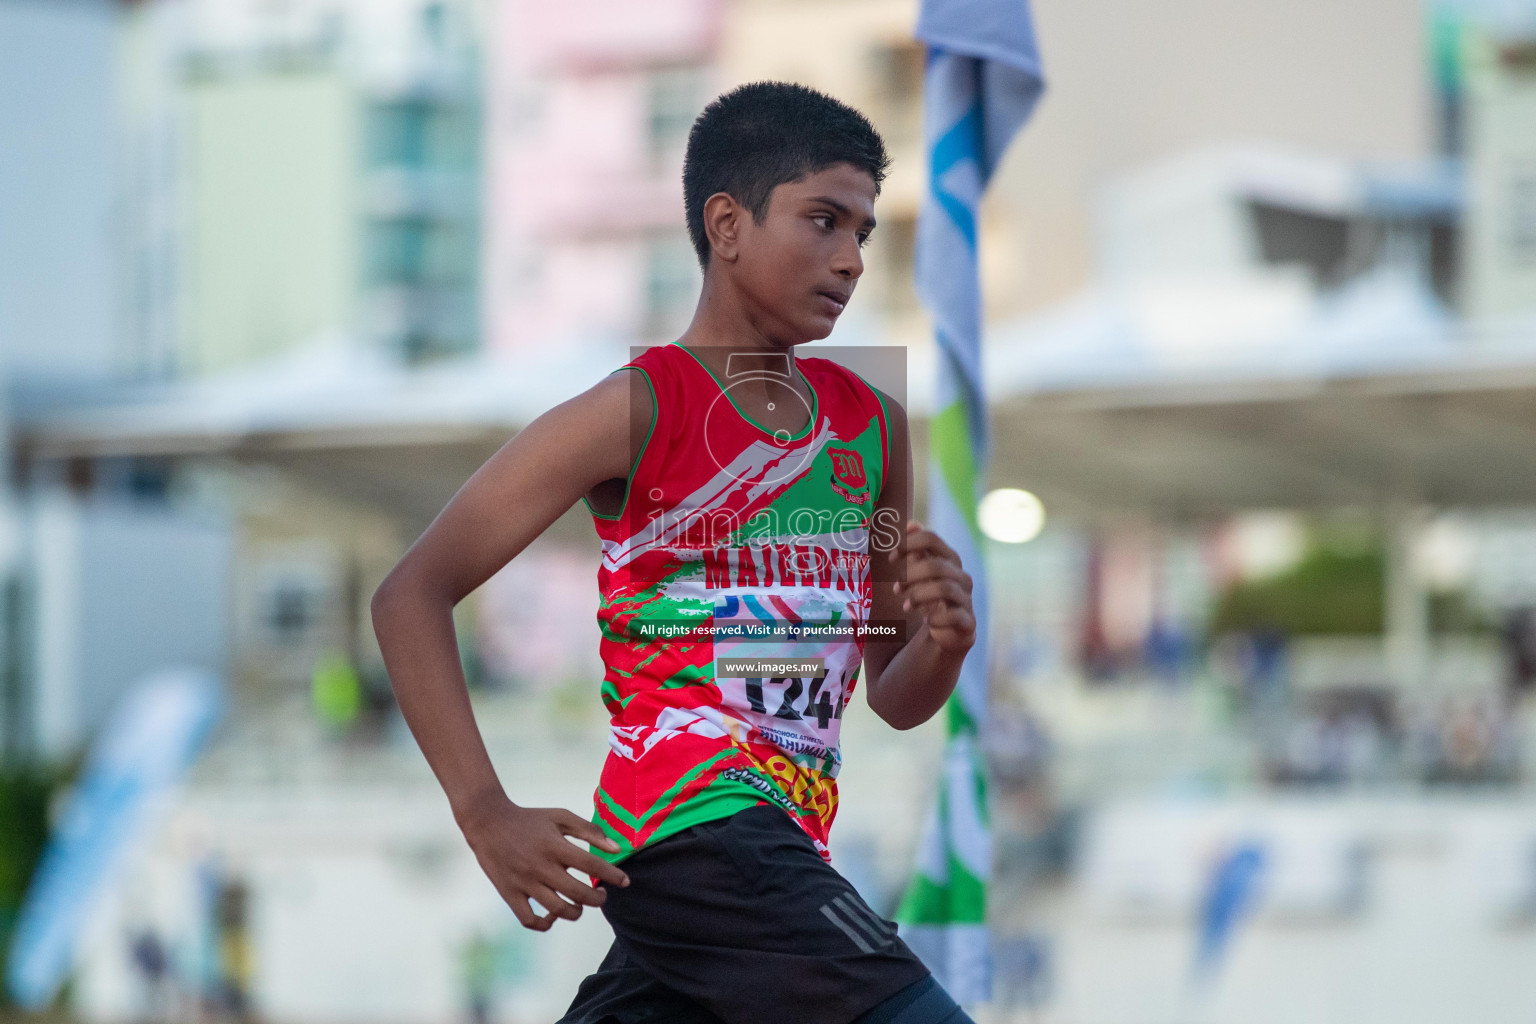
column 528, row 484
column 908, row 683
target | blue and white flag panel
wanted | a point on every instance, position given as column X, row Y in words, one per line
column 983, row 81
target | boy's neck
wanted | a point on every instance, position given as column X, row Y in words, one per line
column 723, row 325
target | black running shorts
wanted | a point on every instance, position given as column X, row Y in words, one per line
column 740, row 921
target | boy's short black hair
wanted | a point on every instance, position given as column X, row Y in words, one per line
column 763, row 134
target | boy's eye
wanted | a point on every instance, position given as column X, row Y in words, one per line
column 863, row 241
column 823, row 220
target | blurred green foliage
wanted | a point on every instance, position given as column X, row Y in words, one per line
column 25, row 792
column 1335, row 589
column 1330, row 590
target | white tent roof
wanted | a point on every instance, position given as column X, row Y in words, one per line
column 1242, row 328
column 330, row 394
column 1190, row 398
column 345, row 417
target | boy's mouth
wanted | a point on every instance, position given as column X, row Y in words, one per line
column 836, row 300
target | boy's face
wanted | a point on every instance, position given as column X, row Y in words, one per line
column 798, row 268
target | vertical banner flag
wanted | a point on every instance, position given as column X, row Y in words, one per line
column 982, row 81
column 125, row 791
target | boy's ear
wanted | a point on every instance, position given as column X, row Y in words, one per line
column 722, row 224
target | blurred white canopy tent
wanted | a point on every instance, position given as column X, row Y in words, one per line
column 1372, row 395
column 344, row 416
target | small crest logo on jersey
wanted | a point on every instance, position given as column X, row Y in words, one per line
column 848, row 474
column 847, row 466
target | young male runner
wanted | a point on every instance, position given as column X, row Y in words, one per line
column 734, row 485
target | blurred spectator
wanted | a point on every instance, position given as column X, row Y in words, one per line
column 1264, row 667
column 1034, row 834
column 1253, row 666
column 152, row 963
column 1021, row 967
column 336, row 692
column 236, row 969
column 1472, row 742
column 1168, row 651
column 1016, row 745
column 479, row 971
column 1356, row 737
column 1339, row 737
column 1519, row 640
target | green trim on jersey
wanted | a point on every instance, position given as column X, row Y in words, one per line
column 655, row 412
column 885, row 431
column 719, row 799
column 797, row 435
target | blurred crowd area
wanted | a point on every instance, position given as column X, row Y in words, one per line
column 276, row 276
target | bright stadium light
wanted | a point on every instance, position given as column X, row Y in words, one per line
column 1011, row 516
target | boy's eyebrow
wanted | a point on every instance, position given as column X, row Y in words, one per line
column 842, row 209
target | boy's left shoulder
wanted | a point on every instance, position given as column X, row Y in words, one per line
column 854, row 380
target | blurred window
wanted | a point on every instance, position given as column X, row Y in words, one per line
column 397, row 251
column 1297, row 236
column 291, row 608
column 398, row 133
column 673, row 100
column 1522, row 215
column 672, row 283
column 896, row 243
column 897, row 71
column 422, row 133
column 415, row 250
column 149, row 478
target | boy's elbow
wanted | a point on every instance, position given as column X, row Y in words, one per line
column 385, row 596
column 898, row 718
column 902, row 723
column 407, row 592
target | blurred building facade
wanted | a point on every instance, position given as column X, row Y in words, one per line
column 590, row 108
column 331, row 181
column 60, row 292
column 1500, row 98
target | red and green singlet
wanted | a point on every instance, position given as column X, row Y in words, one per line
column 728, row 529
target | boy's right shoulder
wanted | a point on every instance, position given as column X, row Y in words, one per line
column 648, row 365
column 627, row 394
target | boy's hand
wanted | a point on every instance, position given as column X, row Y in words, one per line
column 939, row 588
column 525, row 854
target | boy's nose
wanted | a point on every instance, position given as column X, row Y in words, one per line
column 849, row 263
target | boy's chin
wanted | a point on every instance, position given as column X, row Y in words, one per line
column 818, row 328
